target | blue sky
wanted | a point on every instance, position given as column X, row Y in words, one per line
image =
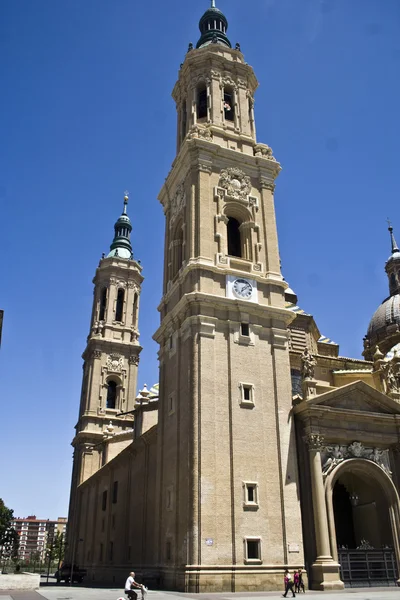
column 87, row 113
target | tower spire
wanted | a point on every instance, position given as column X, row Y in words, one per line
column 213, row 26
column 395, row 247
column 212, row 3
column 121, row 244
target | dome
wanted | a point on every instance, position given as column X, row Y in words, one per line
column 385, row 322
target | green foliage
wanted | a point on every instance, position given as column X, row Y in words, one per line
column 56, row 547
column 9, row 540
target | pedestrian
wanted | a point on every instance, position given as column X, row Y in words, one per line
column 296, row 581
column 288, row 584
column 131, row 586
column 300, row 585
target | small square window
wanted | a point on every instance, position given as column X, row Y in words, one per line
column 246, row 394
column 252, row 548
column 104, row 500
column 245, row 329
column 250, row 500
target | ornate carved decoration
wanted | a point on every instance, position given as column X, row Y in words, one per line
column 115, row 363
column 332, row 456
column 308, row 363
column 227, row 80
column 264, row 151
column 132, row 285
column 202, row 132
column 257, row 267
column 96, row 353
column 178, row 202
column 134, row 360
column 267, row 185
column 314, row 441
column 222, row 259
column 236, row 183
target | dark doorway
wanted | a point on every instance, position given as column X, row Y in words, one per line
column 343, row 517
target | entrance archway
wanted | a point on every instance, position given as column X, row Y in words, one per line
column 363, row 515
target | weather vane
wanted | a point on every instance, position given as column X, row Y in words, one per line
column 126, row 193
column 388, row 222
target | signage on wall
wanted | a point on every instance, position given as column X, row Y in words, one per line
column 293, row 547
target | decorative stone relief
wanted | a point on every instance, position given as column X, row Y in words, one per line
column 134, row 360
column 236, row 183
column 227, row 80
column 267, row 185
column 264, row 151
column 178, row 202
column 96, row 353
column 115, row 363
column 332, row 456
column 314, row 441
column 201, row 132
column 308, row 363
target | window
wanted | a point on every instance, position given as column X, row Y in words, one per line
column 234, row 241
column 250, row 490
column 135, row 309
column 202, row 102
column 229, row 109
column 184, row 121
column 115, row 492
column 296, row 382
column 245, row 329
column 111, row 394
column 171, row 404
column 103, row 304
column 246, row 395
column 252, row 549
column 104, row 500
column 119, row 311
column 168, row 550
column 176, row 250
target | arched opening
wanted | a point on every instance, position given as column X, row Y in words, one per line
column 135, row 309
column 103, row 304
column 176, row 251
column 234, row 238
column 363, row 514
column 229, row 107
column 202, row 101
column 119, row 309
column 183, row 121
column 111, row 394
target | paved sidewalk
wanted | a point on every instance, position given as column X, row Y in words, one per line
column 58, row 592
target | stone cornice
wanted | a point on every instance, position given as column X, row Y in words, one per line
column 221, row 302
column 109, row 345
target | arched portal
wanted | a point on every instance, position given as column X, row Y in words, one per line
column 363, row 515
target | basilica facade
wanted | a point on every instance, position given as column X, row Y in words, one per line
column 261, row 448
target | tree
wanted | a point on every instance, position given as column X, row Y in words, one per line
column 9, row 540
column 56, row 547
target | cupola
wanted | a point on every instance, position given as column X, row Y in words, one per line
column 121, row 244
column 213, row 26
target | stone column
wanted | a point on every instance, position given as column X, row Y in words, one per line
column 325, row 571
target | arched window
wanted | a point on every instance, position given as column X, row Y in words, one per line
column 176, row 249
column 135, row 308
column 119, row 311
column 103, row 304
column 229, row 107
column 184, row 121
column 202, row 101
column 111, row 394
column 234, row 240
column 393, row 280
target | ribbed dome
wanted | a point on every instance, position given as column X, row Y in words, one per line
column 386, row 316
column 121, row 245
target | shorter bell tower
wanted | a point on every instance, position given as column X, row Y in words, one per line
column 111, row 358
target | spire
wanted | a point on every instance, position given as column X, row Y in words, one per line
column 395, row 247
column 213, row 26
column 392, row 266
column 121, row 244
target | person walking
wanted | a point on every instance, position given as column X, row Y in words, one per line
column 289, row 583
column 296, row 581
column 300, row 583
column 131, row 586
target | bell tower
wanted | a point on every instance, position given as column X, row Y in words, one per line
column 228, row 499
column 111, row 358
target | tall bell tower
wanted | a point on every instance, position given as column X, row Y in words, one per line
column 228, row 499
column 111, row 359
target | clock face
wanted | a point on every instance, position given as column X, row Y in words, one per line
column 242, row 288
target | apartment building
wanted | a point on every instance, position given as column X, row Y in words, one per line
column 36, row 534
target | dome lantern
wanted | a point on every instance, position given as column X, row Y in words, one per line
column 213, row 26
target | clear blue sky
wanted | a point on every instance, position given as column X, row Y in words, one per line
column 86, row 112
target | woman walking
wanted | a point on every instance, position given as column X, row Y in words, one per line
column 289, row 583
